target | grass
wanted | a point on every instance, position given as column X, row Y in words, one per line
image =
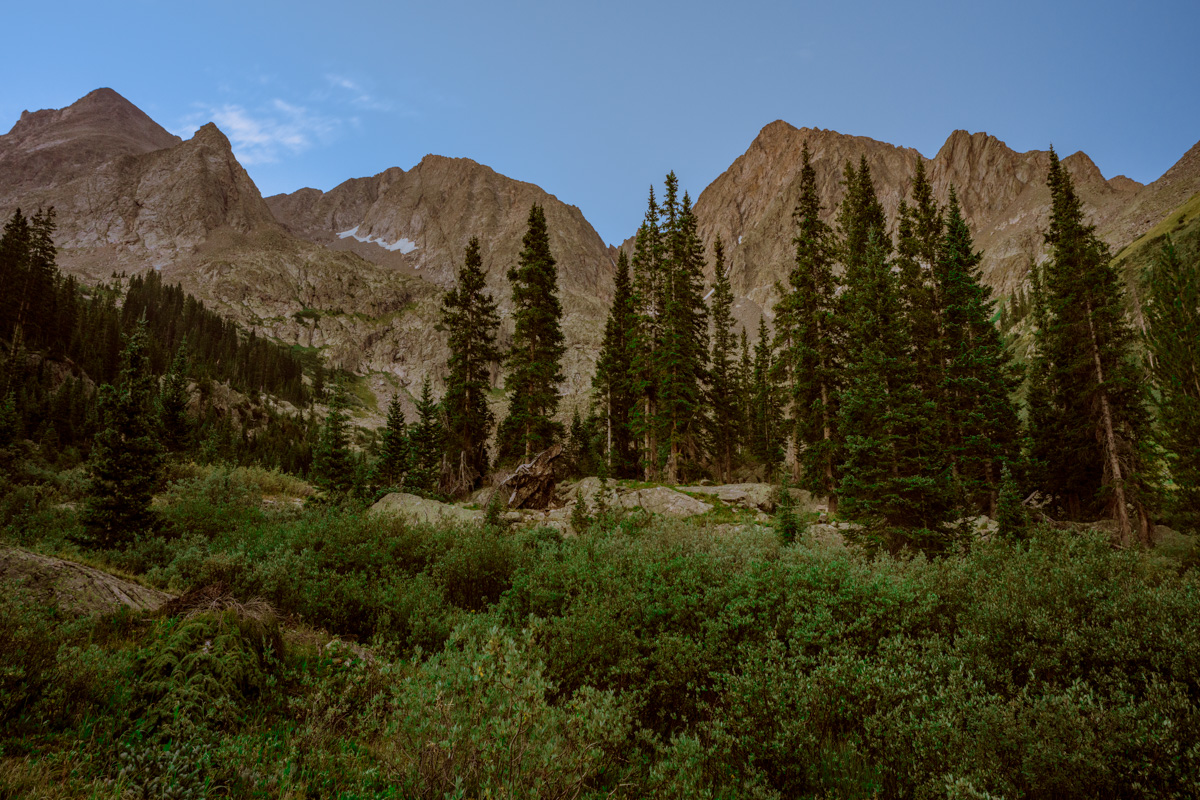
column 269, row 482
column 1183, row 218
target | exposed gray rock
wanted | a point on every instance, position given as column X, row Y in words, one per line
column 589, row 489
column 753, row 496
column 420, row 509
column 72, row 587
column 668, row 502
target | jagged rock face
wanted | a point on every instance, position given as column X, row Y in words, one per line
column 128, row 195
column 1003, row 194
column 320, row 216
column 421, row 220
column 1155, row 201
column 159, row 207
column 53, row 146
column 417, row 224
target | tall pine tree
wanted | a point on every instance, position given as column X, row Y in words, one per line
column 895, row 479
column 333, row 463
column 977, row 377
column 174, row 424
column 126, row 458
column 1172, row 288
column 766, row 439
column 808, row 309
column 426, row 443
column 535, row 369
column 470, row 320
column 392, row 465
column 649, row 299
column 683, row 352
column 615, row 381
column 1096, row 411
column 724, row 397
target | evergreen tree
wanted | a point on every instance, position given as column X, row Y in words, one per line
column 584, row 449
column 1046, row 456
column 14, row 264
column 860, row 216
column 126, row 460
column 683, row 353
column 426, row 443
column 895, row 479
column 535, row 369
column 766, row 412
column 470, row 319
column 43, row 283
column 1172, row 338
column 808, row 309
column 393, row 450
column 977, row 376
column 1097, row 417
column 724, row 397
column 649, row 300
column 10, row 424
column 919, row 242
column 174, row 424
column 1012, row 521
column 333, row 463
column 745, row 377
column 615, row 381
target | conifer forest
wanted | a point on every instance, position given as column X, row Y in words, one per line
column 896, row 537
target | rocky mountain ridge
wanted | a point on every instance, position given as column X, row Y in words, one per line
column 357, row 272
column 145, row 199
column 1003, row 194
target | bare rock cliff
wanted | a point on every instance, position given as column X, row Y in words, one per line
column 1003, row 195
column 53, row 146
column 420, row 221
column 417, row 223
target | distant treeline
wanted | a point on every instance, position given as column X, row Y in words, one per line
column 61, row 340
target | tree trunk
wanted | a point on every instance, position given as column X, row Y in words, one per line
column 1124, row 528
column 608, row 417
column 648, row 445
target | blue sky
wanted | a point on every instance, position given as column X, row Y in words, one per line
column 595, row 102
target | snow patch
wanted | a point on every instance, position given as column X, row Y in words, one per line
column 402, row 244
column 739, row 238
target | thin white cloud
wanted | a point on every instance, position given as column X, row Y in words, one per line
column 358, row 95
column 267, row 133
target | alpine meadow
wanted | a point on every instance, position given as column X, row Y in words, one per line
column 852, row 473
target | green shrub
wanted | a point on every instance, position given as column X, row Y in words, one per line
column 476, row 720
column 202, row 671
column 219, row 502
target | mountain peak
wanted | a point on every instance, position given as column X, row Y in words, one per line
column 51, row 146
column 209, row 133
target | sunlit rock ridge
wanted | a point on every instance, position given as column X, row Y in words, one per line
column 357, row 272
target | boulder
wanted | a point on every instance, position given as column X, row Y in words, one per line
column 74, row 588
column 753, row 496
column 589, row 489
column 665, row 501
column 420, row 509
